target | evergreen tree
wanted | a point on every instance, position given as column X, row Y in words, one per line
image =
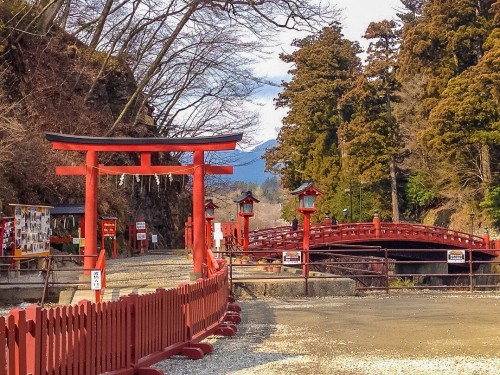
column 372, row 136
column 308, row 146
column 448, row 55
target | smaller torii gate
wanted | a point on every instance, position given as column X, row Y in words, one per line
column 144, row 146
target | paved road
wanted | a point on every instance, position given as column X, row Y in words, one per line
column 406, row 333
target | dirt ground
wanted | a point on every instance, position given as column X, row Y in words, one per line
column 412, row 325
column 400, row 333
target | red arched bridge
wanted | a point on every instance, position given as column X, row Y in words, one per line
column 393, row 235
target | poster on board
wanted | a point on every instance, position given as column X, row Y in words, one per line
column 33, row 231
column 7, row 236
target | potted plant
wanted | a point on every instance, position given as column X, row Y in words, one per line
column 245, row 259
column 262, row 264
column 237, row 260
column 276, row 265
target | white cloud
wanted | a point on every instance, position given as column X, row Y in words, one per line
column 357, row 15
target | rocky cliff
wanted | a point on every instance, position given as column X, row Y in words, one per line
column 49, row 83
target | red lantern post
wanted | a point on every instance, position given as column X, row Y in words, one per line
column 307, row 193
column 209, row 216
column 246, row 201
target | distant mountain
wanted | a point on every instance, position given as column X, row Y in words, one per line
column 248, row 165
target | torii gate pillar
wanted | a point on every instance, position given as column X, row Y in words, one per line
column 91, row 192
column 199, row 252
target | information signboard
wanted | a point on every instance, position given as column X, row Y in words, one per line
column 141, row 236
column 456, row 256
column 33, row 231
column 95, row 280
column 108, row 228
column 292, row 257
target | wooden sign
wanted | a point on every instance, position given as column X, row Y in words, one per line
column 108, row 228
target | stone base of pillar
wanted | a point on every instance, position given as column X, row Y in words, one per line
column 84, row 278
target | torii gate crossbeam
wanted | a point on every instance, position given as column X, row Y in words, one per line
column 145, row 146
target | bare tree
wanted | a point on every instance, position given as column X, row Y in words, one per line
column 11, row 130
column 192, row 60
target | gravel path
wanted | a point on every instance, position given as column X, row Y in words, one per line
column 396, row 334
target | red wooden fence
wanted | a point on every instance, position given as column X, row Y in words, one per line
column 118, row 337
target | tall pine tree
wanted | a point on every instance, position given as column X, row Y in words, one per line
column 373, row 142
column 324, row 66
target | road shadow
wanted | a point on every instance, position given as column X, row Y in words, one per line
column 240, row 352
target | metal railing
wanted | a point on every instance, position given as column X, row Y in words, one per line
column 44, row 271
column 375, row 268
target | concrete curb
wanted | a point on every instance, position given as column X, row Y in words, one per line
column 295, row 287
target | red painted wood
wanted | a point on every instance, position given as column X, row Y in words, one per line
column 90, row 337
column 41, row 327
column 3, row 343
column 91, row 187
column 33, row 341
column 70, row 170
column 149, row 371
column 199, row 247
column 70, row 347
column 98, row 338
column 64, row 339
column 110, row 337
column 11, row 345
column 283, row 239
column 20, row 341
column 57, row 340
column 246, row 229
column 85, row 339
column 82, row 344
column 220, row 146
column 114, row 334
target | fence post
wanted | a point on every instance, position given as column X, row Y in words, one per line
column 386, row 266
column 33, row 339
column 231, row 269
column 471, row 281
column 20, row 355
column 133, row 311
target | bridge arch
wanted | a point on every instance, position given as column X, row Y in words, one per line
column 283, row 238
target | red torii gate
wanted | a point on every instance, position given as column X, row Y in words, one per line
column 145, row 146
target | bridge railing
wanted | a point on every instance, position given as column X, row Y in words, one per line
column 286, row 239
column 117, row 337
column 432, row 234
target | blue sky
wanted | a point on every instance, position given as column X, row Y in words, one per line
column 356, row 16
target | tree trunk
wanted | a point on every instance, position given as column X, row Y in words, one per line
column 49, row 12
column 394, row 190
column 392, row 167
column 100, row 24
column 486, row 165
column 153, row 68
